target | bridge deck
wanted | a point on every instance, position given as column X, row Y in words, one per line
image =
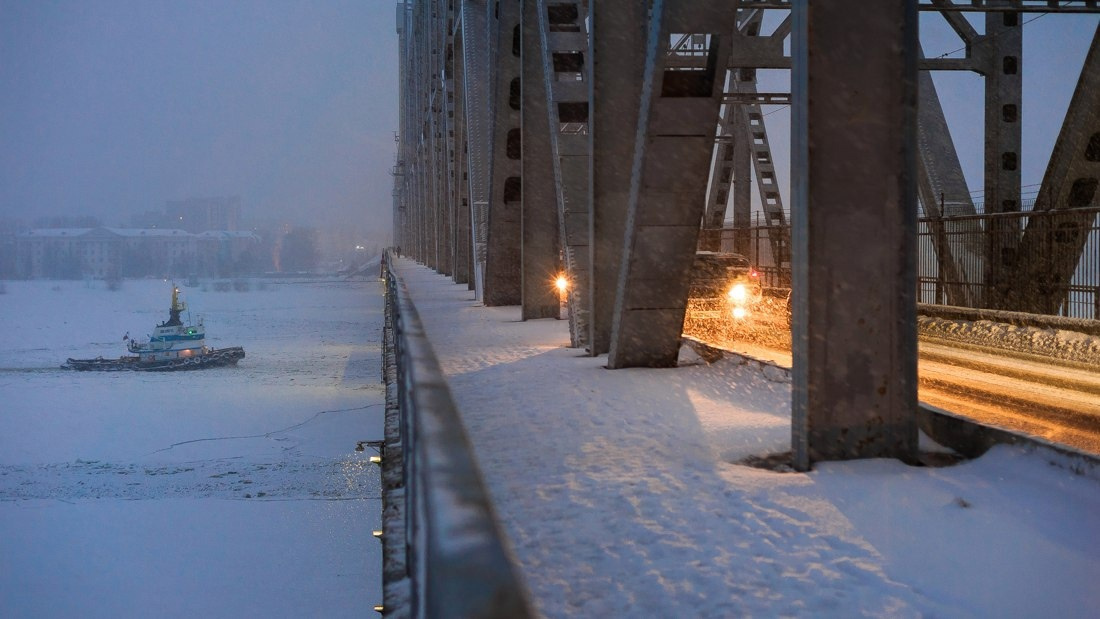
column 618, row 494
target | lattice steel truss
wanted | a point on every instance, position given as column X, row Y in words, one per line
column 607, row 141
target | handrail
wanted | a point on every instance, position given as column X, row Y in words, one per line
column 457, row 560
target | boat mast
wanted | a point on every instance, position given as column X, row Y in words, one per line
column 174, row 311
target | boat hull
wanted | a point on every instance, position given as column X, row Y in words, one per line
column 214, row 358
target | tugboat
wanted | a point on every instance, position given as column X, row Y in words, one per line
column 173, row 346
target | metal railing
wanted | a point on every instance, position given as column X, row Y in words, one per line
column 972, row 238
column 456, row 559
column 1058, row 237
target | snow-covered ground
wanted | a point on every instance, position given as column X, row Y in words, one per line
column 620, row 496
column 229, row 492
column 1055, row 343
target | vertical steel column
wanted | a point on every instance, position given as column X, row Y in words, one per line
column 742, row 181
column 678, row 111
column 416, row 135
column 425, row 168
column 854, row 87
column 479, row 130
column 423, row 204
column 618, row 37
column 434, row 131
column 461, row 197
column 410, row 133
column 1003, row 68
column 400, row 190
column 446, row 123
column 440, row 130
column 437, row 202
column 539, row 246
column 721, row 178
column 771, row 201
column 502, row 263
column 565, row 47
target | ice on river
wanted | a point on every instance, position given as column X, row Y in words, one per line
column 222, row 492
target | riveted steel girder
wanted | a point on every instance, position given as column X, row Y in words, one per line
column 1001, row 62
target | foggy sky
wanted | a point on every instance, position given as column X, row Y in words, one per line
column 112, row 108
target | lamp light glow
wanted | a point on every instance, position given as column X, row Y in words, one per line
column 738, row 293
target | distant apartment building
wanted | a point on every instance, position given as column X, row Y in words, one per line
column 197, row 215
column 71, row 253
column 7, row 255
column 228, row 252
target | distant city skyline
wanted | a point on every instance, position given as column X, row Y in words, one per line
column 116, row 108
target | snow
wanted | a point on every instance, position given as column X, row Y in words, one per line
column 1056, row 343
column 620, row 493
column 237, row 492
column 226, row 492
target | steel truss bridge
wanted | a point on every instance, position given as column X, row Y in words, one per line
column 611, row 140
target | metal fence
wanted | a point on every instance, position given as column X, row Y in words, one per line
column 455, row 555
column 1068, row 236
column 1027, row 262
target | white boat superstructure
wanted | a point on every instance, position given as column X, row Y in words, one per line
column 172, row 339
column 172, row 346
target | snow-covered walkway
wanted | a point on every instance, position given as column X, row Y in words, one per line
column 619, row 495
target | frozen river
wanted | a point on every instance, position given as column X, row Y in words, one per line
column 221, row 493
